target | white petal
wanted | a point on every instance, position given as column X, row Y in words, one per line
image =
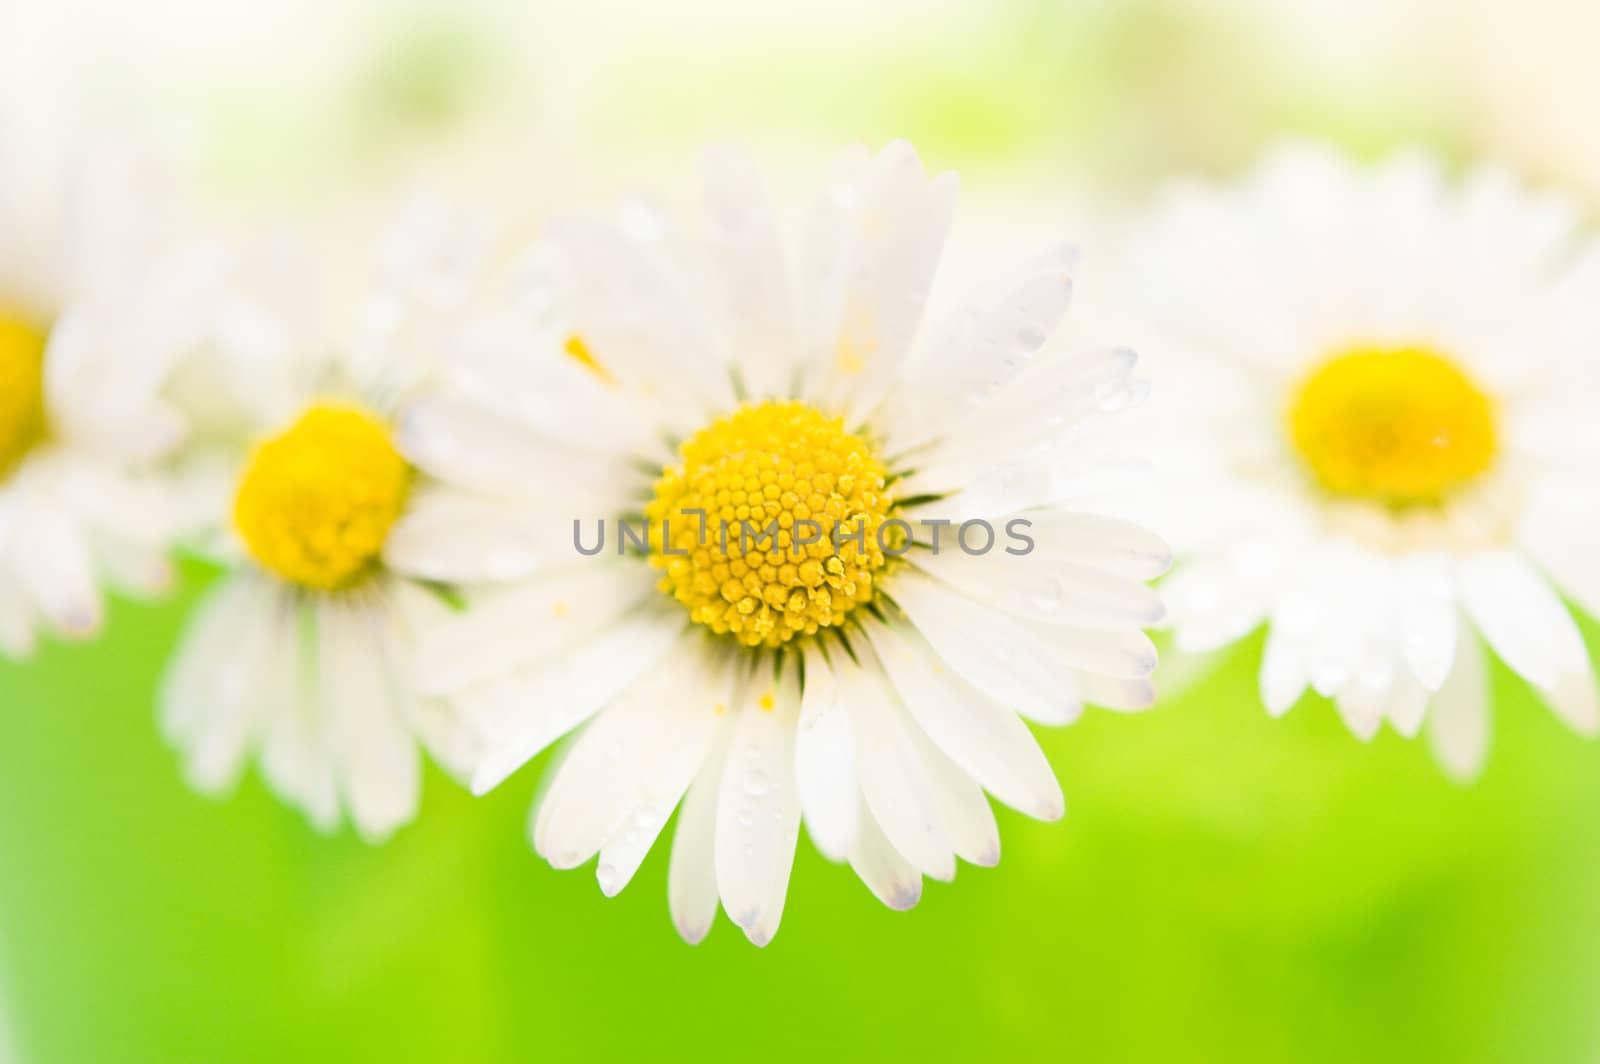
column 980, row 735
column 454, row 740
column 54, row 564
column 642, row 750
column 1458, row 726
column 1522, row 619
column 1362, row 710
column 548, row 617
column 1213, row 603
column 891, row 878
column 298, row 757
column 16, row 620
column 690, row 707
column 827, row 240
column 904, row 220
column 758, row 815
column 692, row 873
column 1576, row 701
column 380, row 771
column 632, row 304
column 990, row 463
column 1283, row 671
column 469, row 445
column 894, row 781
column 1099, row 542
column 825, row 760
column 591, row 790
column 1408, row 704
column 981, row 346
column 967, row 817
column 134, row 568
column 1555, row 521
column 191, row 681
column 1109, row 692
column 221, row 688
column 544, row 704
column 1046, row 590
column 748, row 268
column 1007, row 660
column 455, row 537
column 1430, row 621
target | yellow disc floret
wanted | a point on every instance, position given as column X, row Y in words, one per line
column 316, row 501
column 1399, row 426
column 22, row 415
column 769, row 478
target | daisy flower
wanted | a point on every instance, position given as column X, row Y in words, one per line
column 1378, row 424
column 299, row 651
column 867, row 667
column 95, row 307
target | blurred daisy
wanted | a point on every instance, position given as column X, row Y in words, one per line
column 95, row 306
column 870, row 686
column 1378, row 418
column 299, row 652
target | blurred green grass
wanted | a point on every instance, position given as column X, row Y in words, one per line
column 1224, row 887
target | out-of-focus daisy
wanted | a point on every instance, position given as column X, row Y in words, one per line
column 872, row 686
column 96, row 304
column 300, row 652
column 1378, row 421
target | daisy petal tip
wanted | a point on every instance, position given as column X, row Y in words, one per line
column 563, row 861
column 489, row 775
column 159, row 581
column 376, row 835
column 1407, row 729
column 1278, row 702
column 1577, row 701
column 80, row 626
column 693, row 935
column 1068, row 256
column 900, row 152
column 1462, row 771
column 1365, row 731
column 905, row 898
column 206, row 784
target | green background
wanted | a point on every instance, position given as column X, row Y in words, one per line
column 1224, row 887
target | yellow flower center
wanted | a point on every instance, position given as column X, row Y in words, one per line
column 316, row 501
column 22, row 414
column 1400, row 426
column 793, row 510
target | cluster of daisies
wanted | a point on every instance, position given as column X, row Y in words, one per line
column 1371, row 428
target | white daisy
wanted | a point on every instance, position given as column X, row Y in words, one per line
column 96, row 303
column 300, row 650
column 875, row 697
column 1377, row 418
